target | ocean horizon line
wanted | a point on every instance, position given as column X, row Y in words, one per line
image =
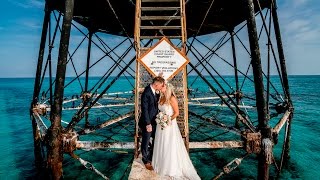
column 28, row 77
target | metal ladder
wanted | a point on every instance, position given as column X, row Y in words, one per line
column 158, row 18
column 155, row 19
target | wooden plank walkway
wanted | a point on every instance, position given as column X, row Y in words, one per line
column 139, row 172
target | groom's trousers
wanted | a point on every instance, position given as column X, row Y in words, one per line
column 147, row 145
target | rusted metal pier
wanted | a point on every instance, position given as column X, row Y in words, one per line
column 90, row 102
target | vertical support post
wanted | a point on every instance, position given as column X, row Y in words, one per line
column 263, row 167
column 136, row 91
column 41, row 54
column 50, row 64
column 232, row 33
column 183, row 25
column 88, row 60
column 184, row 73
column 87, row 76
column 55, row 153
column 283, row 72
column 268, row 73
column 36, row 133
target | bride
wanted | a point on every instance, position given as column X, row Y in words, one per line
column 170, row 157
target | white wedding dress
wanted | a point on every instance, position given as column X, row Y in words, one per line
column 170, row 157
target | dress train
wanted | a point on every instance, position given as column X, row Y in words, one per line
column 170, row 157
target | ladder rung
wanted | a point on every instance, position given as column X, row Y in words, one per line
column 160, row 27
column 144, row 49
column 160, row 8
column 160, row 17
column 160, row 0
column 159, row 37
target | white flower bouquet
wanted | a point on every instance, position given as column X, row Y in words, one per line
column 163, row 120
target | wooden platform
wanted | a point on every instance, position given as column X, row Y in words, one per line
column 139, row 172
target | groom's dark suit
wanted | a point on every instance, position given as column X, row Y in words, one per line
column 149, row 110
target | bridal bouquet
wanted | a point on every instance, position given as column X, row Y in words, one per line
column 163, row 119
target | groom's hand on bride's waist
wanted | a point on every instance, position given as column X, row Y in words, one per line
column 149, row 128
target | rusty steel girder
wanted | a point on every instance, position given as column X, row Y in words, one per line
column 69, row 142
column 252, row 142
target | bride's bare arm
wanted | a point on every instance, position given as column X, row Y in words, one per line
column 174, row 104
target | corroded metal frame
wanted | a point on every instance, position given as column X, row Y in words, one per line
column 143, row 78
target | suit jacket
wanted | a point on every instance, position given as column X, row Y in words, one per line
column 149, row 107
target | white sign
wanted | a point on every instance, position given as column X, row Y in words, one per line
column 164, row 58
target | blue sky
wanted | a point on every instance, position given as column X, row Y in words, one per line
column 21, row 23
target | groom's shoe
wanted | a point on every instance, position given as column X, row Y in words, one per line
column 149, row 166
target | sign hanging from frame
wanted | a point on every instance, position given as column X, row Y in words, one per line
column 164, row 58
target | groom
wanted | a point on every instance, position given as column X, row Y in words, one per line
column 147, row 123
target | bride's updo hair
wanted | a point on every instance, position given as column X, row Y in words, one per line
column 165, row 97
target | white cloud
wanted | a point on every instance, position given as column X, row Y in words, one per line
column 297, row 3
column 308, row 36
column 296, row 25
column 31, row 24
column 298, row 20
column 301, row 34
column 36, row 3
column 29, row 3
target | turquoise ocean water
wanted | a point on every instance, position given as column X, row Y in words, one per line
column 17, row 159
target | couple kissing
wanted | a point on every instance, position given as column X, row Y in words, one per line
column 162, row 147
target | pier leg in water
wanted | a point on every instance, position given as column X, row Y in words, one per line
column 263, row 166
column 284, row 74
column 36, row 133
column 55, row 153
